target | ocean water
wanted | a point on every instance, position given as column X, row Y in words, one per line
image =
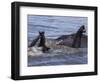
column 54, row 27
column 63, row 59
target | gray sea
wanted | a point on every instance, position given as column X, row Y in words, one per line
column 54, row 27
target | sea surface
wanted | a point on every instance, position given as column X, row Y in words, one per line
column 54, row 27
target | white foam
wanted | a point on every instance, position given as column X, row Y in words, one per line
column 35, row 51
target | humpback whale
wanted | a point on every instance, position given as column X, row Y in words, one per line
column 76, row 40
column 42, row 42
column 78, row 36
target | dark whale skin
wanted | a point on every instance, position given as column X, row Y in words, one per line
column 67, row 40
